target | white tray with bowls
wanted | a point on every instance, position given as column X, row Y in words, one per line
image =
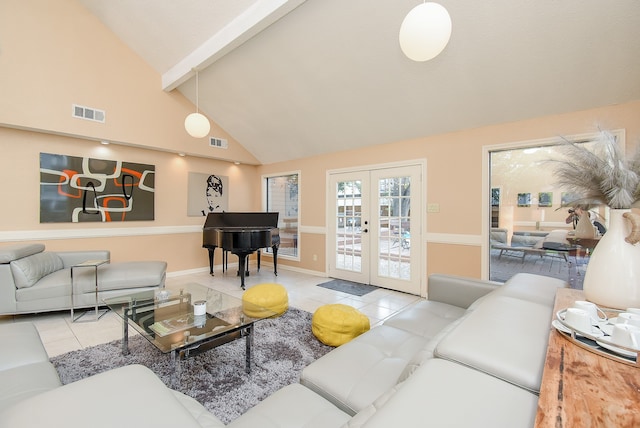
column 598, row 340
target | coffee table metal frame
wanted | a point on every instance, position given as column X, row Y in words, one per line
column 132, row 308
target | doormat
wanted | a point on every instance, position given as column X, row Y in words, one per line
column 349, row 287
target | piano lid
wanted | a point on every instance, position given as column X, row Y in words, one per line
column 241, row 220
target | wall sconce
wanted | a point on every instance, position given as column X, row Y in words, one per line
column 196, row 124
column 425, row 31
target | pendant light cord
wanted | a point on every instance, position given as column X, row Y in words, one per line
column 197, row 92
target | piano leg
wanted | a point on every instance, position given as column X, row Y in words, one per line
column 246, row 266
column 275, row 259
column 211, row 252
column 258, row 254
column 242, row 267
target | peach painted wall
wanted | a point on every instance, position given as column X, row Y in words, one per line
column 450, row 259
column 172, row 236
column 54, row 54
column 454, row 179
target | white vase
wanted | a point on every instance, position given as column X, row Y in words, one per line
column 584, row 228
column 613, row 274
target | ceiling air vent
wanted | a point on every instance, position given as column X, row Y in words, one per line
column 88, row 113
column 218, row 142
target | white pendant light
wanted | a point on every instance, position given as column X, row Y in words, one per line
column 425, row 31
column 196, row 124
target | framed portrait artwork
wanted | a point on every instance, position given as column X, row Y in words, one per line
column 207, row 193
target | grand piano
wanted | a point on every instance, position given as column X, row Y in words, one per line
column 241, row 234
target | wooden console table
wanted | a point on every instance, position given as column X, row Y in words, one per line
column 582, row 389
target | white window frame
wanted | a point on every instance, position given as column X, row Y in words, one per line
column 264, row 178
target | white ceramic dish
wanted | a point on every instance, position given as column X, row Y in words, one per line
column 596, row 332
column 619, row 351
column 559, row 326
column 607, row 328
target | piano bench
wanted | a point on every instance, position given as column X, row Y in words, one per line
column 265, row 298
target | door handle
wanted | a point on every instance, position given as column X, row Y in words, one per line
column 365, row 230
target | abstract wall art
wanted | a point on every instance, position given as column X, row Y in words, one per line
column 545, row 199
column 207, row 193
column 524, row 199
column 82, row 189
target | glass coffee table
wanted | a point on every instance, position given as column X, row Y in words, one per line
column 186, row 321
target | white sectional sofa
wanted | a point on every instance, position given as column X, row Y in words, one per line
column 31, row 394
column 34, row 280
column 470, row 355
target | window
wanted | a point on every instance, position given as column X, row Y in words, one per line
column 281, row 192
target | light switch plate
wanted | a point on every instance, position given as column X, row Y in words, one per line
column 433, row 208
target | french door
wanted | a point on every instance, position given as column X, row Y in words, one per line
column 375, row 227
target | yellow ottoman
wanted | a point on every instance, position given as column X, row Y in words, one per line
column 265, row 300
column 335, row 325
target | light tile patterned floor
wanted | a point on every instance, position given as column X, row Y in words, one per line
column 60, row 335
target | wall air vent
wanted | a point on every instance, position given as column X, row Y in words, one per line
column 88, row 113
column 218, row 142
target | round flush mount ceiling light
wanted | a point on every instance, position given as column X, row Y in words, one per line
column 425, row 31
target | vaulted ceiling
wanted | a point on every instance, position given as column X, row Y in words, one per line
column 291, row 79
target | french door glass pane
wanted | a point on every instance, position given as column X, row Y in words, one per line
column 394, row 205
column 348, row 221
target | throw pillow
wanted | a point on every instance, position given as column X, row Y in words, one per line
column 28, row 270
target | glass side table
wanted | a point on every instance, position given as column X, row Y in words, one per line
column 87, row 264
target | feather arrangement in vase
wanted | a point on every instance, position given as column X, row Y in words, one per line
column 601, row 175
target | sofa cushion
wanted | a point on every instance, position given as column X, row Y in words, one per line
column 365, row 414
column 123, row 275
column 198, row 411
column 26, row 381
column 29, row 270
column 15, row 252
column 458, row 291
column 21, row 345
column 292, row 406
column 425, row 318
column 444, row 394
column 120, row 276
column 505, row 337
column 56, row 284
column 355, row 374
column 131, row 395
column 534, row 288
column 428, row 350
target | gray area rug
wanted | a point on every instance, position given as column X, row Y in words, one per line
column 353, row 288
column 282, row 347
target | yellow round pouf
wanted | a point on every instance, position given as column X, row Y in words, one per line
column 265, row 300
column 335, row 325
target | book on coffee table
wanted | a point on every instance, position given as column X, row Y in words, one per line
column 173, row 324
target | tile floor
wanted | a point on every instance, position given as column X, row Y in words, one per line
column 60, row 335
